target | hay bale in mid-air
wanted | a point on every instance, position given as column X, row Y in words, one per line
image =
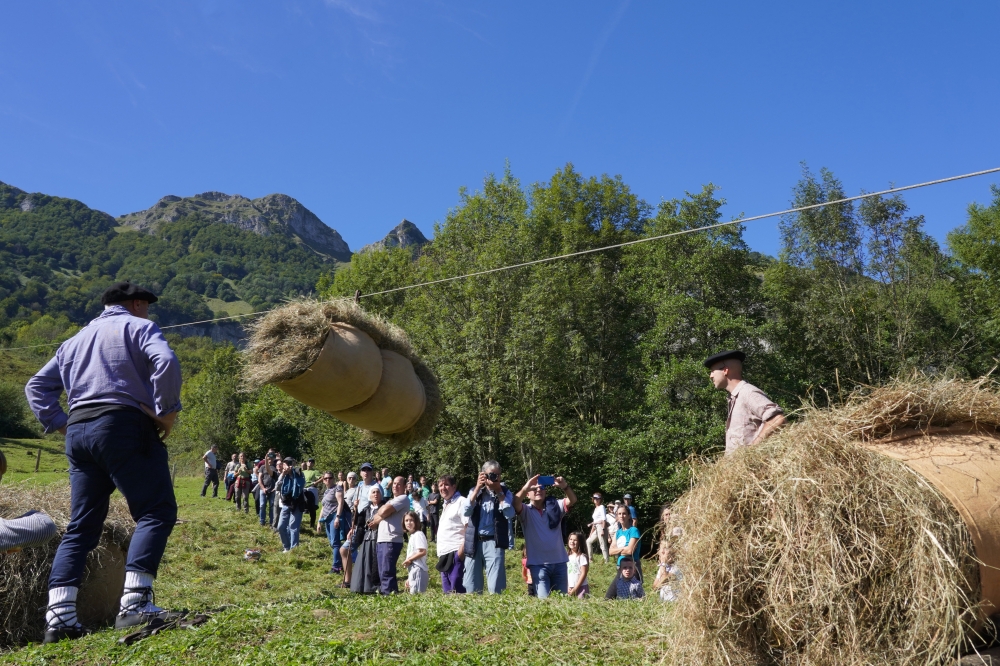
column 357, row 367
column 24, row 575
column 821, row 546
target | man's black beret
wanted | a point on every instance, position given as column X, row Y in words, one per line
column 126, row 291
column 725, row 356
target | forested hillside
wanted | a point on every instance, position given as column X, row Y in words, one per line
column 57, row 256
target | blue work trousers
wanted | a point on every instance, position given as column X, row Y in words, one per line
column 289, row 522
column 122, row 450
column 548, row 578
column 489, row 558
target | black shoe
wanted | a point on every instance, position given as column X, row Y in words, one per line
column 63, row 633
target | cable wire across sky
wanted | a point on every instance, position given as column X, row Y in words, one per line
column 649, row 239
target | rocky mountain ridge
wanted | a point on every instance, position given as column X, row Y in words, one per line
column 272, row 214
column 405, row 234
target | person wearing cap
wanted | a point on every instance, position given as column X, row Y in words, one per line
column 123, row 388
column 631, row 509
column 598, row 528
column 752, row 416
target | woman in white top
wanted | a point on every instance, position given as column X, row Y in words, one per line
column 576, row 568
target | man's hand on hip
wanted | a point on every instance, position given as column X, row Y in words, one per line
column 163, row 423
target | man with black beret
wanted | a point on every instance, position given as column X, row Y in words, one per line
column 123, row 387
column 752, row 417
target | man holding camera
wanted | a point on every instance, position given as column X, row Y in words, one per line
column 489, row 510
column 541, row 520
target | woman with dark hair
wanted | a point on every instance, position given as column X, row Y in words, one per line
column 242, row 484
column 365, row 577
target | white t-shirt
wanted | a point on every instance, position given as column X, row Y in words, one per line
column 209, row 459
column 612, row 523
column 419, row 507
column 573, row 568
column 600, row 515
column 390, row 530
column 451, row 529
column 417, row 542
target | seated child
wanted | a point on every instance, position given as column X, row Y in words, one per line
column 626, row 584
column 416, row 554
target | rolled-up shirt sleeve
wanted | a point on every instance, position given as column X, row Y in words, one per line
column 165, row 370
column 43, row 391
column 507, row 504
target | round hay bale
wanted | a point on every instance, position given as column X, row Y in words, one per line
column 348, row 354
column 289, row 341
column 397, row 404
column 24, row 575
column 816, row 548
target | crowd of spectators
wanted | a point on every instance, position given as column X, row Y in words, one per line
column 371, row 516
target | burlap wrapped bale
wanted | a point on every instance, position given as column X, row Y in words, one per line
column 821, row 547
column 349, row 354
column 24, row 575
column 293, row 341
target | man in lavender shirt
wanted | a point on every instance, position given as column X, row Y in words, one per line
column 123, row 385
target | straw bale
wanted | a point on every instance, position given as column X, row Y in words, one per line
column 811, row 549
column 285, row 342
column 24, row 575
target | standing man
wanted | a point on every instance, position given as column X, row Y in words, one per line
column 598, row 528
column 541, row 521
column 211, row 459
column 291, row 490
column 386, row 483
column 389, row 543
column 752, row 417
column 489, row 510
column 451, row 535
column 123, row 387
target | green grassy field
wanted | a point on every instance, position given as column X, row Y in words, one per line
column 22, row 455
column 288, row 609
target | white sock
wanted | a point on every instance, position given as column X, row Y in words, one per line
column 64, row 613
column 132, row 595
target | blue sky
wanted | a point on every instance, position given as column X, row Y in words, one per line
column 369, row 112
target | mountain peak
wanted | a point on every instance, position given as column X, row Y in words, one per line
column 272, row 214
column 405, row 234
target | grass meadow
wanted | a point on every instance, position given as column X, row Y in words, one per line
column 288, row 608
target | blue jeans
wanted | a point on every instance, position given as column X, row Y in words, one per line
column 289, row 522
column 120, row 450
column 337, row 535
column 549, row 577
column 490, row 558
column 510, row 535
column 266, row 508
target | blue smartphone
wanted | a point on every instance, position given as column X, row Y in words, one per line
column 546, row 480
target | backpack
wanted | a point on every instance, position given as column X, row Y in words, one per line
column 292, row 488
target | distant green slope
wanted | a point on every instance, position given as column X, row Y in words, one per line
column 57, row 256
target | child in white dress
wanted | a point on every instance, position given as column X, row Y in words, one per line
column 416, row 555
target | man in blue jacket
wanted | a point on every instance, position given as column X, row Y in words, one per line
column 122, row 384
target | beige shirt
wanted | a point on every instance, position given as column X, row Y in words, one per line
column 749, row 408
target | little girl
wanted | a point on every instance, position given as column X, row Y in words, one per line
column 416, row 554
column 577, row 567
column 526, row 573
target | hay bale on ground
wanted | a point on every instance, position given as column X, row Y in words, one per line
column 813, row 548
column 360, row 368
column 24, row 575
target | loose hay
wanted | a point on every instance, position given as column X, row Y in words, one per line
column 286, row 342
column 24, row 575
column 810, row 549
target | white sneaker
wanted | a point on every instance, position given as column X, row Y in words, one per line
column 287, row 550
